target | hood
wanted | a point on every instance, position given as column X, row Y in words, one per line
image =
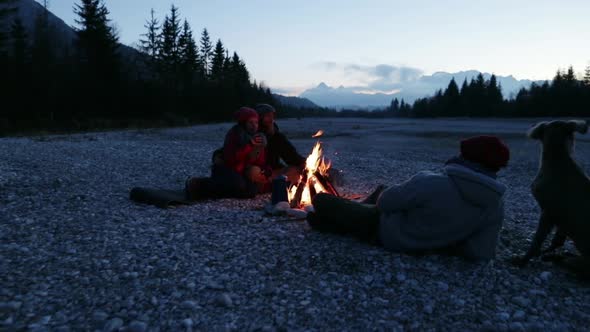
column 475, row 188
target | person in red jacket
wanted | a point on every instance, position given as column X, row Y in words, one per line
column 243, row 172
column 244, row 149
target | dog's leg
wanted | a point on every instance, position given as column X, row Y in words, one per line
column 579, row 265
column 557, row 242
column 543, row 229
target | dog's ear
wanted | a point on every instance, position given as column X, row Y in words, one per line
column 536, row 132
column 579, row 126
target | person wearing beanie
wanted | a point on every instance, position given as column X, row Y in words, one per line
column 243, row 171
column 281, row 155
column 458, row 209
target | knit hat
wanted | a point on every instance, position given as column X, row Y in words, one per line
column 263, row 109
column 244, row 114
column 488, row 151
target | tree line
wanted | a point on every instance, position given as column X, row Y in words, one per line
column 93, row 81
column 564, row 95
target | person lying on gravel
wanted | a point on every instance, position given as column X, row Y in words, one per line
column 457, row 210
column 243, row 171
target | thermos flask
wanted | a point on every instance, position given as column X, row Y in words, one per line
column 279, row 189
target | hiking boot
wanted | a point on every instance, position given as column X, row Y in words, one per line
column 372, row 198
column 312, row 219
column 194, row 189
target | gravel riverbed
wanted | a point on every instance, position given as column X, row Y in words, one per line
column 77, row 254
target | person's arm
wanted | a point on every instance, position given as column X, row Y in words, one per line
column 288, row 152
column 403, row 196
column 482, row 243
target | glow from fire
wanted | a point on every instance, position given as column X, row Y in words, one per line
column 318, row 134
column 314, row 163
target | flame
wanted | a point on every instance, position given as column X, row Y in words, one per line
column 315, row 162
column 318, row 134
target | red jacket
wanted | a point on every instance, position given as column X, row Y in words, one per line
column 238, row 151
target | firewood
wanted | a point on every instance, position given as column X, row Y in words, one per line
column 312, row 191
column 300, row 186
column 326, row 184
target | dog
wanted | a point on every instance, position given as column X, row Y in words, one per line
column 562, row 190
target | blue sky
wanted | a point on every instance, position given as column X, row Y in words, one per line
column 293, row 45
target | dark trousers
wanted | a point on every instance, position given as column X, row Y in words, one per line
column 228, row 183
column 223, row 183
column 345, row 217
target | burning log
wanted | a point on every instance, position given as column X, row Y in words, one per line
column 326, row 184
column 300, row 186
column 312, row 190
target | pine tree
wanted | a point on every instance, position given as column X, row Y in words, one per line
column 170, row 52
column 227, row 67
column 239, row 70
column 43, row 58
column 217, row 61
column 558, row 79
column 404, row 109
column 151, row 44
column 6, row 11
column 452, row 90
column 452, row 99
column 97, row 41
column 99, row 65
column 189, row 56
column 20, row 53
column 43, row 51
column 478, row 96
column 464, row 87
column 8, row 90
column 587, row 76
column 570, row 76
column 480, row 82
column 494, row 96
column 394, row 106
column 206, row 51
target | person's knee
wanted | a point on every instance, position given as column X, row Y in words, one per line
column 255, row 174
column 320, row 199
column 293, row 174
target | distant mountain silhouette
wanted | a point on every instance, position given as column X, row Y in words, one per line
column 354, row 97
column 296, row 102
column 348, row 98
column 62, row 35
column 28, row 11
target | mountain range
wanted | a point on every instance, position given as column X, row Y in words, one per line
column 296, row 102
column 29, row 10
column 424, row 86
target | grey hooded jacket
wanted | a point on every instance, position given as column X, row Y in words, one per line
column 456, row 207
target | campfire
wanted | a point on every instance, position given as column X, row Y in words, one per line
column 315, row 178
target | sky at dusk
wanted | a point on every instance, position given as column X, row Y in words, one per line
column 294, row 45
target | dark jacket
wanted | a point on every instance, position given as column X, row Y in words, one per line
column 280, row 148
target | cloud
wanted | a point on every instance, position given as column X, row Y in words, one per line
column 381, row 77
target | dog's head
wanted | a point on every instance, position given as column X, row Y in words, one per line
column 558, row 132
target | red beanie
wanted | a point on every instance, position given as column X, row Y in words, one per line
column 244, row 114
column 488, row 151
